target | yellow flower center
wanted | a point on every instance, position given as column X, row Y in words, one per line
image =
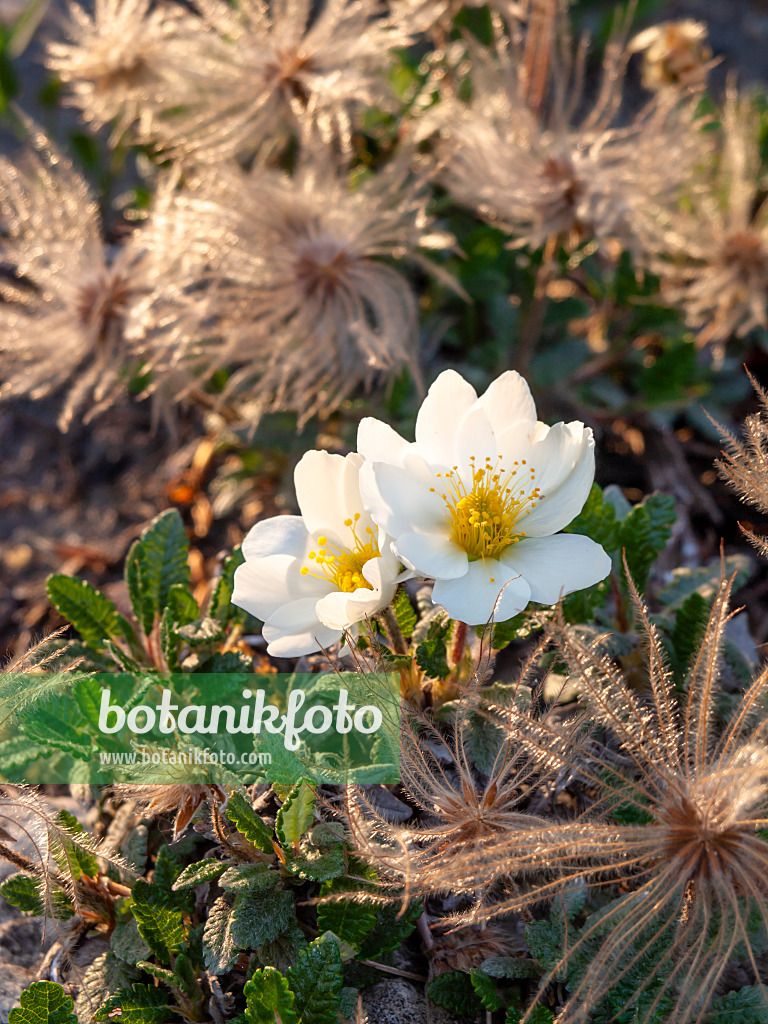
column 343, row 566
column 485, row 518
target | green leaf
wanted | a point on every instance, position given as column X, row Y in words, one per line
column 159, row 925
column 404, row 613
column 261, row 917
column 704, row 580
column 316, row 981
column 432, row 652
column 141, row 1004
column 127, row 944
column 539, row 1015
column 248, row 823
column 93, row 615
column 196, row 874
column 167, row 870
column 254, row 878
column 220, row 607
column 51, row 730
column 597, row 520
column 23, row 891
column 546, row 941
column 70, row 856
column 157, row 561
column 745, row 1006
column 321, row 854
column 219, row 948
column 105, row 976
column 486, row 989
column 350, row 919
column 269, row 999
column 644, row 532
column 44, row 1002
column 296, row 814
column 454, row 992
column 690, row 623
column 391, row 930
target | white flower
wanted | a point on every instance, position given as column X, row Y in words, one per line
column 312, row 577
column 476, row 502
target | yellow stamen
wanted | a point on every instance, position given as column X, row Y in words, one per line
column 485, row 518
column 343, row 566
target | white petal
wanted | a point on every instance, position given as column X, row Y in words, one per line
column 280, row 535
column 328, row 493
column 489, row 589
column 378, row 442
column 560, row 507
column 263, row 584
column 432, row 554
column 294, row 629
column 446, row 402
column 508, row 400
column 556, row 566
column 399, row 499
column 341, row 610
column 476, row 440
column 557, row 452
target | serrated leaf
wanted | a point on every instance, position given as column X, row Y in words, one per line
column 261, row 917
column 745, row 1006
column 644, row 532
column 269, row 999
column 690, row 624
column 23, row 891
column 91, row 613
column 597, row 520
column 486, row 989
column 348, row 1001
column 248, row 823
column 198, row 873
column 127, row 943
column 167, row 869
column 69, row 855
column 157, row 561
column 296, row 814
column 316, row 981
column 432, row 652
column 219, row 949
column 44, row 1002
column 350, row 919
column 51, row 731
column 141, row 1004
column 538, row 1015
column 159, row 925
column 404, row 613
column 391, row 930
column 104, row 976
column 704, row 580
column 454, row 992
column 256, row 878
column 221, row 602
column 321, row 855
column 546, row 941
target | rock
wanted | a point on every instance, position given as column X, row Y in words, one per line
column 397, row 1001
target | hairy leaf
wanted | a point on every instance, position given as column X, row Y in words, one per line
column 269, row 999
column 44, row 1002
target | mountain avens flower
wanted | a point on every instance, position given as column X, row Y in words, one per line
column 476, row 502
column 312, row 577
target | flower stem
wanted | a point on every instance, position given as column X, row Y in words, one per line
column 392, row 629
column 458, row 643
